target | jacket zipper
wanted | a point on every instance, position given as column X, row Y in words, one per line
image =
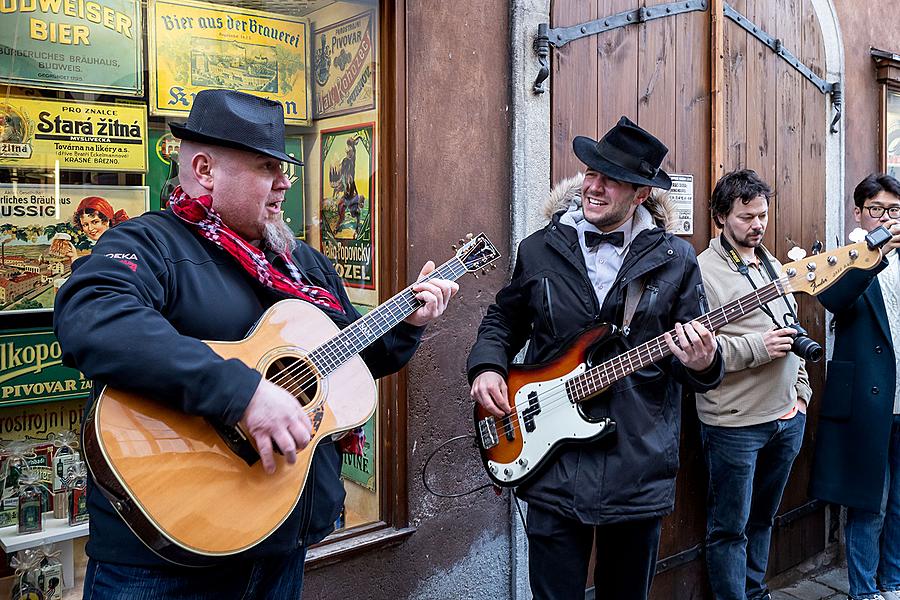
column 548, row 307
column 654, row 292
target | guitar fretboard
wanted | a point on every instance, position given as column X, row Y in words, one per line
column 605, row 374
column 365, row 330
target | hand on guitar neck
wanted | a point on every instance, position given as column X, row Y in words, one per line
column 696, row 347
column 275, row 416
column 435, row 293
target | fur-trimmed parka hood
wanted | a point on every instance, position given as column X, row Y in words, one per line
column 566, row 195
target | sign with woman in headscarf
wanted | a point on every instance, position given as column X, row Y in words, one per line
column 43, row 232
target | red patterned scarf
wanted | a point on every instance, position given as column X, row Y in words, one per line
column 207, row 222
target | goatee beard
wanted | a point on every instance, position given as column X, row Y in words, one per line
column 279, row 238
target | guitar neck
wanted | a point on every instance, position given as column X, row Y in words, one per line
column 367, row 329
column 597, row 379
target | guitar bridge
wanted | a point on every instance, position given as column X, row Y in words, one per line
column 236, row 441
column 487, row 433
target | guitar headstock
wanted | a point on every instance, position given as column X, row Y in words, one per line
column 477, row 253
column 813, row 274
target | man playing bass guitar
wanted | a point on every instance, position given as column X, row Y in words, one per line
column 133, row 315
column 606, row 246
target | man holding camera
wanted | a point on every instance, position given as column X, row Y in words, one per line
column 857, row 459
column 752, row 424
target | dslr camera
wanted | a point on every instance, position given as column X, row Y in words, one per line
column 804, row 346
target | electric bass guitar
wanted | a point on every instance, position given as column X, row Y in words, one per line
column 195, row 491
column 546, row 398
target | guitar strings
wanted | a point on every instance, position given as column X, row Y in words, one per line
column 302, row 368
column 557, row 396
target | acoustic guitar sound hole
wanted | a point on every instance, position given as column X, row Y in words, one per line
column 296, row 376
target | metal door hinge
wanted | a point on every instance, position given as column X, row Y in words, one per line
column 778, row 48
column 561, row 36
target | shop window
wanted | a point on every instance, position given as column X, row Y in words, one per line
column 888, row 75
column 87, row 88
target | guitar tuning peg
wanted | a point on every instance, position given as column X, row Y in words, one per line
column 484, row 271
column 817, row 247
column 469, row 236
column 476, row 275
column 796, row 253
column 454, row 246
column 493, row 267
column 462, row 241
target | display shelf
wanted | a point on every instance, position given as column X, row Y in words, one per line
column 56, row 531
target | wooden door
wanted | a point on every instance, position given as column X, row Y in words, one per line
column 658, row 74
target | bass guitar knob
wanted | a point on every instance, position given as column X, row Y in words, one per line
column 507, row 471
column 522, row 462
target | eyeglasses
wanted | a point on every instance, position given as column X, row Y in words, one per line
column 876, row 212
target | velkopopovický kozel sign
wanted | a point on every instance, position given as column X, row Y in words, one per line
column 195, row 46
column 82, row 45
column 31, row 370
column 87, row 136
column 344, row 66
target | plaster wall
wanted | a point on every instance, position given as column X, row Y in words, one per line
column 459, row 119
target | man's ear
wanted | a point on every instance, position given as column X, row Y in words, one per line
column 201, row 167
column 642, row 194
column 857, row 214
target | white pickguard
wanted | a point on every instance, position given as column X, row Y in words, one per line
column 558, row 420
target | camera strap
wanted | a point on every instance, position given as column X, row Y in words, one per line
column 744, row 270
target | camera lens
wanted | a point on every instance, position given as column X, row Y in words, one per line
column 807, row 348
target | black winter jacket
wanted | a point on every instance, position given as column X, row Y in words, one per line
column 131, row 316
column 548, row 301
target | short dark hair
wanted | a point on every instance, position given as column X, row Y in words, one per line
column 744, row 184
column 872, row 185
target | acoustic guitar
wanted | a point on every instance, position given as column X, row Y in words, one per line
column 546, row 398
column 195, row 491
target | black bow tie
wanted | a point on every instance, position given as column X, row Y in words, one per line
column 592, row 239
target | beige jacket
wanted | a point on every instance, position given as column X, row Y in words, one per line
column 756, row 388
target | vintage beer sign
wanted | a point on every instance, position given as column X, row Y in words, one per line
column 87, row 136
column 84, row 45
column 361, row 469
column 31, row 370
column 344, row 66
column 40, row 235
column 348, row 203
column 195, row 46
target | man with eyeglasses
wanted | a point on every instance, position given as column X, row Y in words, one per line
column 857, row 462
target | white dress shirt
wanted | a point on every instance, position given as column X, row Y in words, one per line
column 604, row 260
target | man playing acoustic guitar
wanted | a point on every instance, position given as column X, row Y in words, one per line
column 133, row 313
column 573, row 274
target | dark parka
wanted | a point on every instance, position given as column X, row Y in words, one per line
column 132, row 316
column 857, row 408
column 549, row 300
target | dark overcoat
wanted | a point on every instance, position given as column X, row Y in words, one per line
column 549, row 300
column 857, row 408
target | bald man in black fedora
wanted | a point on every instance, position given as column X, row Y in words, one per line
column 607, row 245
column 133, row 313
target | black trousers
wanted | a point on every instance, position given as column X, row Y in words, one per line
column 559, row 550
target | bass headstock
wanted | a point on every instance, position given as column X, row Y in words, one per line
column 813, row 274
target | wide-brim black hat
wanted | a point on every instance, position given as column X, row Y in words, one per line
column 236, row 120
column 626, row 153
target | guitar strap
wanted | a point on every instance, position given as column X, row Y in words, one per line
column 633, row 294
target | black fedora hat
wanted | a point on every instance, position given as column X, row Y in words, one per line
column 236, row 120
column 626, row 153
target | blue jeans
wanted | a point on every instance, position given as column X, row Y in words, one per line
column 873, row 539
column 748, row 469
column 279, row 578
